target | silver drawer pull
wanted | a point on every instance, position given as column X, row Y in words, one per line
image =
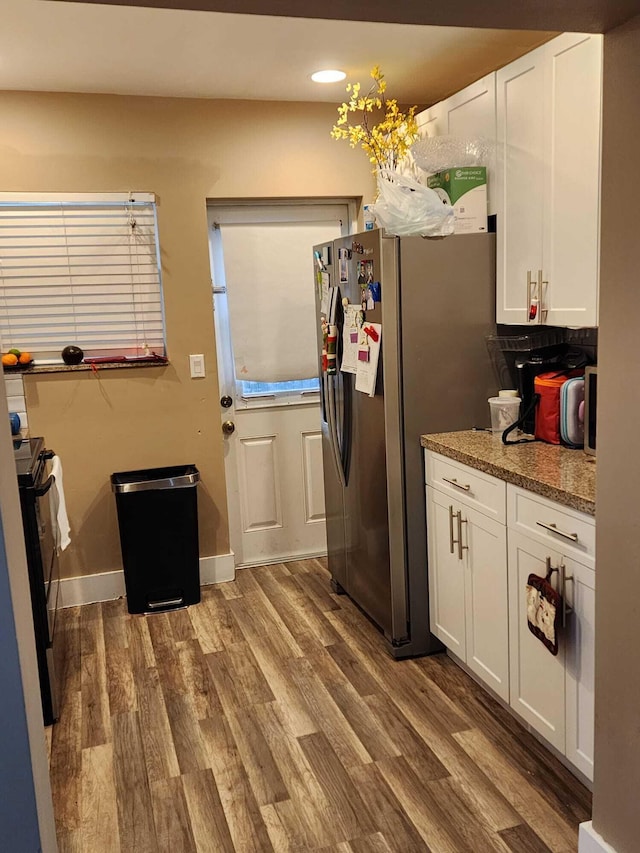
column 458, row 485
column 552, row 527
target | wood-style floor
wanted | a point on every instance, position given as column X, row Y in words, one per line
column 269, row 717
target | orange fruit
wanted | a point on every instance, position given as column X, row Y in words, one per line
column 9, row 359
column 24, row 358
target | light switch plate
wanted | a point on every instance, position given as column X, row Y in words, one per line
column 196, row 364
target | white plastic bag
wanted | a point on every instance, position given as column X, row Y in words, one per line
column 406, row 208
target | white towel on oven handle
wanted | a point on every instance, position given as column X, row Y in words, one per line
column 59, row 518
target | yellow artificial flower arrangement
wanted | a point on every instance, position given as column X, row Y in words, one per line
column 388, row 141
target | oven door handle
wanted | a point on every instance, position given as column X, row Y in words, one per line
column 42, row 490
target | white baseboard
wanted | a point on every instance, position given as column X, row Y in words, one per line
column 218, row 569
column 590, row 842
column 109, row 585
column 289, row 559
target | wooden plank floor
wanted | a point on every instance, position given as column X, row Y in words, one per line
column 269, row 717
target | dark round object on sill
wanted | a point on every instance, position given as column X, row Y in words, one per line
column 72, row 355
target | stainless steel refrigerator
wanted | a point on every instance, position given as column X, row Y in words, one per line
column 437, row 303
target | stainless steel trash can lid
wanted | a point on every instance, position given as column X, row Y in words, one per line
column 155, row 479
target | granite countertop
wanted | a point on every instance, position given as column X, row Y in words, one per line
column 558, row 473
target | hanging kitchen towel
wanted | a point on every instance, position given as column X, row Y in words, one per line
column 544, row 605
column 59, row 518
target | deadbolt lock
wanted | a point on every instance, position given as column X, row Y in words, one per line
column 226, row 402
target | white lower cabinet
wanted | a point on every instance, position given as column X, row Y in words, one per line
column 580, row 639
column 478, row 572
column 537, row 677
column 446, row 574
column 468, row 587
column 554, row 694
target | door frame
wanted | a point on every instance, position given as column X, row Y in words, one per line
column 224, row 347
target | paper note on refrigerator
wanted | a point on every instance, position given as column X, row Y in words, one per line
column 351, row 331
column 367, row 370
column 324, row 292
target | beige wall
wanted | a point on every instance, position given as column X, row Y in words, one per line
column 185, row 151
column 617, row 758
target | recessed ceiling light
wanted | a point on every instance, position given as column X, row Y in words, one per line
column 331, row 75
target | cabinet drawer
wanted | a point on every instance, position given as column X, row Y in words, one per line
column 473, row 488
column 558, row 526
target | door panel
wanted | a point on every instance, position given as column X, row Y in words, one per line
column 446, row 574
column 520, row 178
column 471, row 113
column 260, row 485
column 280, row 490
column 536, row 677
column 580, row 663
column 572, row 225
column 312, row 475
column 366, row 516
column 487, row 649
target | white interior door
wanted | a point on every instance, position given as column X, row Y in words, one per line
column 262, row 271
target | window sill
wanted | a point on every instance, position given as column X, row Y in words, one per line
column 79, row 368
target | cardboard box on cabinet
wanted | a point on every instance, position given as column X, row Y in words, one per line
column 465, row 189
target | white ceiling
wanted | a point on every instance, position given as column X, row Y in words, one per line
column 76, row 47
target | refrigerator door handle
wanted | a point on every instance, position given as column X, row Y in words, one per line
column 333, row 430
column 323, row 396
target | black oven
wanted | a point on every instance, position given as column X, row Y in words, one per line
column 35, row 482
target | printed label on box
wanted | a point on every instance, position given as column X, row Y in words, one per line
column 465, row 189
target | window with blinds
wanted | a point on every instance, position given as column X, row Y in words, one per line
column 82, row 270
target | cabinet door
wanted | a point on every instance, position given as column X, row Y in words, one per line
column 487, row 617
column 471, row 113
column 432, row 121
column 536, row 677
column 519, row 181
column 580, row 587
column 573, row 94
column 446, row 573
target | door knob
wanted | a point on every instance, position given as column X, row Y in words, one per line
column 228, row 427
column 226, row 401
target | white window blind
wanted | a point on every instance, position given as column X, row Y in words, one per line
column 83, row 270
column 269, row 275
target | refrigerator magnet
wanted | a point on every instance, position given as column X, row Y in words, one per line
column 363, row 352
column 372, row 333
column 374, row 287
column 370, row 301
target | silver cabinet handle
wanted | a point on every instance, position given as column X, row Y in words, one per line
column 461, row 547
column 542, row 293
column 564, row 577
column 529, row 283
column 554, row 529
column 454, row 482
column 549, row 568
column 451, row 540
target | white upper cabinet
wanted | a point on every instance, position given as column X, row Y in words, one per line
column 468, row 114
column 520, row 182
column 570, row 250
column 431, row 122
column 548, row 182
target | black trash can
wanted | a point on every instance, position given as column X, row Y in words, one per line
column 158, row 520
